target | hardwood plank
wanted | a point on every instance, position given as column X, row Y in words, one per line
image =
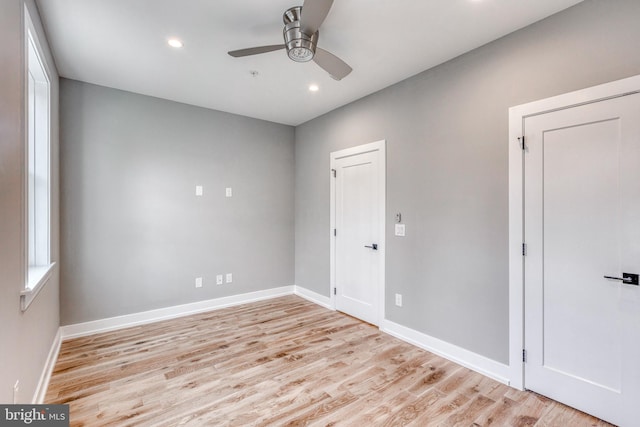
column 441, row 410
column 469, row 411
column 280, row 362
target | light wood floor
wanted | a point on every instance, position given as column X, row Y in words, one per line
column 280, row 362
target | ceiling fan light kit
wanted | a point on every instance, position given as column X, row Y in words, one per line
column 301, row 39
column 300, row 46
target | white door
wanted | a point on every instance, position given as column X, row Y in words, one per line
column 358, row 236
column 582, row 222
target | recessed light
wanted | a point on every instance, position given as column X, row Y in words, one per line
column 314, row 88
column 175, row 43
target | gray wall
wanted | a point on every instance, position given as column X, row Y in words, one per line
column 25, row 337
column 447, row 167
column 135, row 236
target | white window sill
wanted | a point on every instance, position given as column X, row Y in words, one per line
column 38, row 276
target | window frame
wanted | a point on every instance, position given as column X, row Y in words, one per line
column 37, row 249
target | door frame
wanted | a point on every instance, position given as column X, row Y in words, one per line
column 517, row 116
column 380, row 147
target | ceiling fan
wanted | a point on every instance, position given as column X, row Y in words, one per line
column 301, row 24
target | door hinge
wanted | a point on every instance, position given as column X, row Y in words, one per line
column 524, row 249
column 521, row 140
column 335, row 232
column 334, row 172
column 524, row 355
column 335, row 291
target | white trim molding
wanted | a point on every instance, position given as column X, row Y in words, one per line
column 517, row 116
column 459, row 355
column 145, row 317
column 38, row 277
column 45, row 376
column 38, row 266
column 313, row 297
column 476, row 362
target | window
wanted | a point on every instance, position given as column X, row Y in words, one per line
column 38, row 137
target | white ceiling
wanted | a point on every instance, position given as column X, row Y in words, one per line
column 123, row 44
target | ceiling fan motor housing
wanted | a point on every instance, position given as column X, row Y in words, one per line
column 301, row 47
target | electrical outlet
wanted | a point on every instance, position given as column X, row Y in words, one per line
column 399, row 300
column 219, row 279
column 199, row 190
column 228, row 192
column 229, row 278
column 16, row 389
column 198, row 282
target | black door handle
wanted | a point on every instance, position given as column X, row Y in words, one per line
column 373, row 246
column 627, row 278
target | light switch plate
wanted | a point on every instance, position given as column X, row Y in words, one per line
column 400, row 230
column 219, row 279
column 229, row 278
column 399, row 300
column 229, row 192
column 199, row 190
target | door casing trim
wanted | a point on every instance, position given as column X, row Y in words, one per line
column 379, row 146
column 517, row 116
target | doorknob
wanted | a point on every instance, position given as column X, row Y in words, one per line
column 373, row 246
column 627, row 278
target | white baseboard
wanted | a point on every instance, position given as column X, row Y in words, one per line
column 314, row 297
column 119, row 322
column 45, row 376
column 481, row 364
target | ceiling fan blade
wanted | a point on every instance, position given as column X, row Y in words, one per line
column 313, row 14
column 336, row 67
column 255, row 50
